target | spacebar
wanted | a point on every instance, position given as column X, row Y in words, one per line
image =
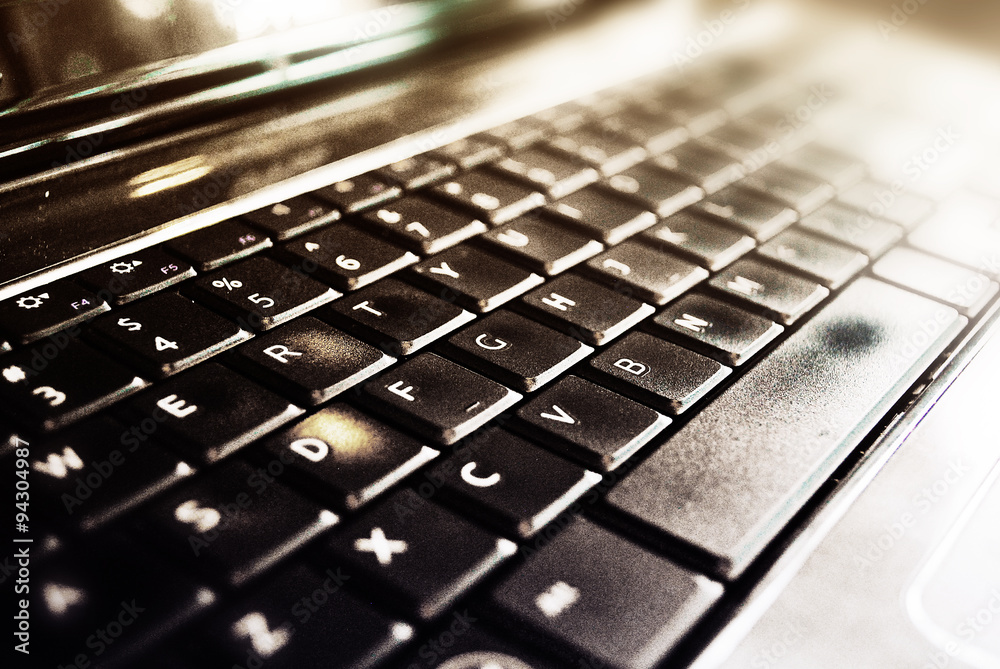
column 733, row 477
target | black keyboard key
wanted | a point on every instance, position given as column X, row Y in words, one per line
column 342, row 455
column 872, row 236
column 470, row 152
column 717, row 329
column 303, row 617
column 883, row 201
column 234, row 520
column 46, row 310
column 166, row 333
column 421, row 225
column 359, row 193
column 599, row 148
column 802, row 192
column 711, row 245
column 756, row 215
column 584, row 309
column 137, row 275
column 518, row 134
column 220, row 244
column 478, row 281
column 653, row 134
column 210, row 411
column 570, row 587
column 516, row 351
column 310, row 361
column 491, row 196
column 965, row 289
column 594, row 425
column 261, row 293
column 422, row 555
column 826, row 164
column 639, row 271
column 710, row 170
column 654, row 189
column 97, row 471
column 438, row 398
column 346, row 257
column 474, row 648
column 555, row 175
column 542, row 245
column 511, row 484
column 827, row 262
column 657, row 372
column 59, row 381
column 779, row 295
column 417, row 171
column 732, row 478
column 106, row 603
column 396, row 317
column 293, row 217
column 601, row 216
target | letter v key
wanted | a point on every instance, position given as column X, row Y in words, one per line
column 559, row 415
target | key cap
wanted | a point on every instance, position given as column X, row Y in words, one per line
column 309, row 361
column 260, row 293
column 219, row 244
column 542, row 245
column 98, row 606
column 706, row 168
column 599, row 148
column 47, row 310
column 234, row 522
column 421, row 225
column 165, row 334
column 137, row 275
column 716, row 329
column 758, row 216
column 511, row 484
column 779, row 295
column 475, row 648
column 799, row 191
column 742, row 141
column 563, row 118
column 881, row 200
column 417, row 171
column 478, row 281
column 965, row 230
column 209, row 412
column 397, row 318
column 421, row 554
column 584, row 309
column 829, row 263
column 565, row 592
column 293, row 217
column 728, row 481
column 470, row 152
column 633, row 269
column 591, row 424
column 347, row 258
column 302, row 617
column 518, row 352
column 437, row 398
column 60, row 381
column 518, row 134
column 826, row 164
column 964, row 289
column 343, row 456
column 97, row 471
column 710, row 245
column 871, row 236
column 601, row 216
column 656, row 136
column 680, row 107
column 656, row 372
column 553, row 174
column 488, row 195
column 654, row 188
column 364, row 191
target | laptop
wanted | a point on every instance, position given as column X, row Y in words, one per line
column 499, row 335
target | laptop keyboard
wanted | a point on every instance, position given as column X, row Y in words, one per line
column 536, row 398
